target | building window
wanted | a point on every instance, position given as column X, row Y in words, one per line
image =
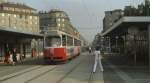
column 36, row 18
column 62, row 15
column 24, row 10
column 58, row 19
column 20, row 16
column 8, row 14
column 30, row 22
column 5, row 8
column 15, row 27
column 13, row 9
column 15, row 15
column 57, row 14
column 63, row 25
column 3, row 21
column 58, row 24
column 26, row 16
column 36, row 23
column 63, row 19
column 30, row 17
column 3, row 14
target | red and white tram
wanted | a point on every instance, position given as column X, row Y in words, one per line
column 60, row 46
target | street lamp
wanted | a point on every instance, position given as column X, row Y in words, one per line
column 116, row 41
column 109, row 42
column 102, row 42
column 44, row 31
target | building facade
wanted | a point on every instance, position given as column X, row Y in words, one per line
column 127, row 33
column 111, row 17
column 19, row 26
column 57, row 20
column 19, row 17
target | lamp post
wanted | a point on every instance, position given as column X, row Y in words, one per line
column 109, row 43
column 117, row 41
column 102, row 42
column 44, row 43
column 133, row 36
column 44, row 31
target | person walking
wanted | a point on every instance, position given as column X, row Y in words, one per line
column 98, row 57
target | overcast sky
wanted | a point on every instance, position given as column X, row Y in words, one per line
column 85, row 15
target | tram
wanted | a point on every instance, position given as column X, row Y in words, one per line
column 60, row 46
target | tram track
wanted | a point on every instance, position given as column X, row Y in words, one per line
column 72, row 69
column 46, row 69
column 7, row 77
column 91, row 73
column 91, row 77
column 38, row 76
column 29, row 71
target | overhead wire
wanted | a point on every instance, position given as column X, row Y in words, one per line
column 89, row 15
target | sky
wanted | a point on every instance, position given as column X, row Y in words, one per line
column 86, row 15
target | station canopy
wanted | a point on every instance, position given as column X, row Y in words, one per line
column 8, row 32
column 124, row 22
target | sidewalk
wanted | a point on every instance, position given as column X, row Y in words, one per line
column 2, row 63
column 116, row 71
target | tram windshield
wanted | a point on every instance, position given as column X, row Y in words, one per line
column 53, row 42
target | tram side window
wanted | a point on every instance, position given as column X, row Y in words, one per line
column 47, row 42
column 64, row 40
column 77, row 42
column 69, row 41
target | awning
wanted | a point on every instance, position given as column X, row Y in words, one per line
column 6, row 31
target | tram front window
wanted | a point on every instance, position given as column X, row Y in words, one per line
column 53, row 42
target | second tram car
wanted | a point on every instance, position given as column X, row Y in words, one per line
column 61, row 46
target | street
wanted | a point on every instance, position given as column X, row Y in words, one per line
column 77, row 70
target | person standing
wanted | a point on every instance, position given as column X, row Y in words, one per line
column 90, row 49
column 14, row 56
column 7, row 54
column 98, row 57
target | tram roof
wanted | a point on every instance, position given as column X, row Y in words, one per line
column 127, row 20
column 52, row 33
column 58, row 33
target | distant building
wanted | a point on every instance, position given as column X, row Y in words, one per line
column 57, row 23
column 19, row 17
column 143, row 9
column 126, row 32
column 57, row 20
column 111, row 17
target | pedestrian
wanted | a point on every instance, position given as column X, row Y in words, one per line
column 90, row 49
column 14, row 56
column 7, row 54
column 98, row 57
